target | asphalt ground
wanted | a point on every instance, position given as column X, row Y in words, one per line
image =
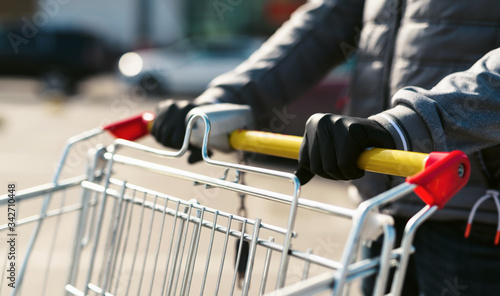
column 34, row 128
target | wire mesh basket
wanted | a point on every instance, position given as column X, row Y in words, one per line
column 126, row 239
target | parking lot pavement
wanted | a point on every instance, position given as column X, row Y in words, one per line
column 33, row 131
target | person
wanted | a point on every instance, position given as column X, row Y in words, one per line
column 427, row 78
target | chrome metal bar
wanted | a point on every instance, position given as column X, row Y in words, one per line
column 327, row 281
column 107, row 245
column 155, row 264
column 98, row 230
column 192, row 254
column 224, row 249
column 180, row 255
column 112, row 247
column 368, row 267
column 49, row 214
column 307, row 263
column 312, row 286
column 287, row 244
column 125, row 244
column 209, row 253
column 69, row 144
column 31, row 243
column 410, row 229
column 118, row 244
column 42, row 190
column 238, row 257
column 251, row 258
column 204, row 150
column 236, row 187
column 93, row 218
column 226, row 165
column 34, row 234
column 164, row 286
column 73, row 290
column 312, row 258
column 53, row 244
column 92, row 163
column 193, row 219
column 189, row 259
column 387, row 247
column 137, row 242
column 162, row 195
column 359, row 218
column 148, row 242
column 265, row 273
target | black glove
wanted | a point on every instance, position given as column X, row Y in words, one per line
column 169, row 126
column 333, row 143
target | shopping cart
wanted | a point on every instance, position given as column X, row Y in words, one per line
column 129, row 240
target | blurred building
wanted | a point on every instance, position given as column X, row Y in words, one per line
column 129, row 23
column 65, row 41
column 116, row 21
column 240, row 17
column 17, row 9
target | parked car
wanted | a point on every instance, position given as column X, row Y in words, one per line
column 60, row 57
column 185, row 67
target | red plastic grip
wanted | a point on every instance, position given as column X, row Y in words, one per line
column 444, row 175
column 131, row 128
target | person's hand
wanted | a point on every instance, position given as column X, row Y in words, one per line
column 333, row 143
column 169, row 126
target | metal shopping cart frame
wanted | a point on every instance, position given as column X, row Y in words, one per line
column 101, row 232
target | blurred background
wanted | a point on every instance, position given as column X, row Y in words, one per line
column 151, row 48
column 67, row 66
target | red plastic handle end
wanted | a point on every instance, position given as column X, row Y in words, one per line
column 444, row 175
column 131, row 128
column 467, row 230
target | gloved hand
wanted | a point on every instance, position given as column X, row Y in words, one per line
column 333, row 143
column 169, row 126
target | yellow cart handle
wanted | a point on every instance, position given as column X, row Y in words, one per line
column 437, row 176
column 385, row 161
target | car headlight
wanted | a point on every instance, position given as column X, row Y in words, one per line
column 130, row 64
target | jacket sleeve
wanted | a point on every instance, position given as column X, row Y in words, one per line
column 317, row 37
column 461, row 112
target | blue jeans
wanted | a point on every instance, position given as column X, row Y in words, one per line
column 447, row 264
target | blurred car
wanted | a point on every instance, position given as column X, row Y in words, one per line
column 186, row 67
column 60, row 57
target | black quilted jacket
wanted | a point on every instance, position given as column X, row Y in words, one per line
column 397, row 43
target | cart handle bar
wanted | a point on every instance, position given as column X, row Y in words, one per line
column 438, row 175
